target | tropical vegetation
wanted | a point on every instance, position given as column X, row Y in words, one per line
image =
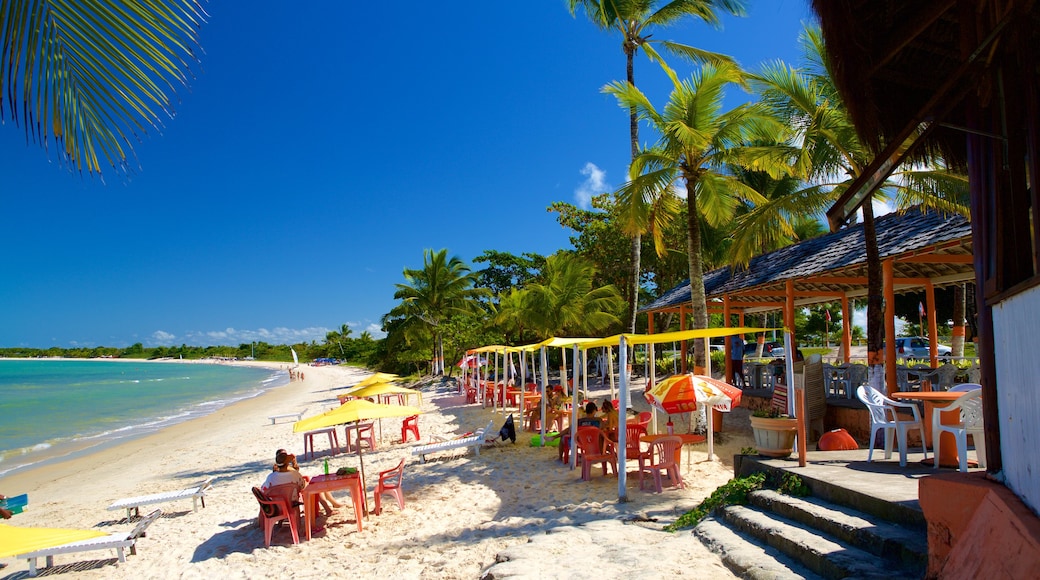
column 714, row 185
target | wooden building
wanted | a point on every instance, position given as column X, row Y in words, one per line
column 960, row 78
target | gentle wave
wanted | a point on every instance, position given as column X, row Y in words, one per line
column 196, row 401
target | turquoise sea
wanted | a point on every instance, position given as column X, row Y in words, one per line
column 50, row 409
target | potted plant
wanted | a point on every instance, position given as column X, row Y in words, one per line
column 774, row 432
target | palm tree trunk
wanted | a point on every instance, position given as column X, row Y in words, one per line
column 875, row 302
column 637, row 239
column 697, row 296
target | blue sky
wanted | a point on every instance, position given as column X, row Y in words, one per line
column 316, row 153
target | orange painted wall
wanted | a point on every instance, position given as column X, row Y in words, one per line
column 977, row 528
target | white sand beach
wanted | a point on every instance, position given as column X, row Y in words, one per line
column 512, row 504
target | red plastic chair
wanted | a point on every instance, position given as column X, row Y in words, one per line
column 591, row 443
column 277, row 506
column 390, row 482
column 366, row 432
column 410, row 425
column 644, row 418
column 664, row 450
column 633, row 433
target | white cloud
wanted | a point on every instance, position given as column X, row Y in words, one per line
column 279, row 335
column 375, row 330
column 595, row 183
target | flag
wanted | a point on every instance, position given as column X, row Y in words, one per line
column 827, row 315
column 920, row 309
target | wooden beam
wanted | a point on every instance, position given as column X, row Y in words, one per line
column 846, row 329
column 889, row 291
column 936, row 259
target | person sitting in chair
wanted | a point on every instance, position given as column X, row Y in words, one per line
column 589, row 420
column 610, row 418
column 286, row 470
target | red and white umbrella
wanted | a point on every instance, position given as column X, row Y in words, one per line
column 471, row 361
column 687, row 393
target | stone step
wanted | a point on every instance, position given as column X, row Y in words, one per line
column 816, row 550
column 746, row 557
column 901, row 545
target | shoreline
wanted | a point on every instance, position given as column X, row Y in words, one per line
column 108, row 452
column 48, row 453
column 461, row 510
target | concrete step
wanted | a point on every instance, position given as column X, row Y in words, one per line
column 853, row 483
column 902, row 546
column 816, row 550
column 746, row 557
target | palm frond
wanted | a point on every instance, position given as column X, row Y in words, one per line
column 94, row 75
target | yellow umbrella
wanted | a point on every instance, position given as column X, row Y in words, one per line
column 376, row 378
column 15, row 540
column 384, row 389
column 351, row 411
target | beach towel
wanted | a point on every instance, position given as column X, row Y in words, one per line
column 508, row 430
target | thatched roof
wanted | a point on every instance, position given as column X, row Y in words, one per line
column 923, row 244
column 891, row 58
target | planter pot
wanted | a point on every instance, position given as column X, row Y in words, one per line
column 774, row 437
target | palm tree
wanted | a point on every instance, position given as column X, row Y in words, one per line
column 829, row 154
column 636, row 20
column 94, row 76
column 698, row 141
column 565, row 300
column 442, row 287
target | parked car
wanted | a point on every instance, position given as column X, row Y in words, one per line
column 771, row 349
column 917, row 347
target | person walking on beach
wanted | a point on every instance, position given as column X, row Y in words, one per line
column 736, row 357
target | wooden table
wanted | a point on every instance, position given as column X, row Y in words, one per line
column 933, row 400
column 330, row 482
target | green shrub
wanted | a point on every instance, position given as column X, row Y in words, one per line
column 733, row 492
column 791, row 484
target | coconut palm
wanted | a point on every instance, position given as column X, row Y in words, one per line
column 636, row 20
column 829, row 154
column 94, row 76
column 698, row 140
column 442, row 287
column 564, row 300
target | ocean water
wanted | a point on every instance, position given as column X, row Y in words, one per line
column 51, row 409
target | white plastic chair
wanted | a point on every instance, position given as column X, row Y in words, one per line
column 965, row 387
column 883, row 416
column 970, row 407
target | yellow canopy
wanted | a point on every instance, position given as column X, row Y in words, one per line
column 376, row 378
column 351, row 411
column 673, row 336
column 15, row 540
column 384, row 389
column 489, row 348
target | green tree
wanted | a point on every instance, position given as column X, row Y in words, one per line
column 827, row 151
column 430, row 295
column 565, row 301
column 636, row 21
column 698, row 140
column 94, row 76
column 505, row 270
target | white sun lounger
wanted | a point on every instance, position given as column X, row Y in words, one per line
column 475, row 441
column 118, row 541
column 275, row 418
column 133, row 504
